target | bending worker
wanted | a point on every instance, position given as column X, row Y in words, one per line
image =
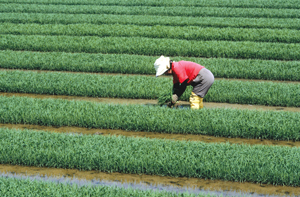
column 186, row 73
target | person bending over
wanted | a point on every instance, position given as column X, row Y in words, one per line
column 186, row 73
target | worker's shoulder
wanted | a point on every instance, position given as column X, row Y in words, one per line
column 183, row 62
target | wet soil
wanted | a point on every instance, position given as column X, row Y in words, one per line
column 215, row 185
column 152, row 102
column 187, row 137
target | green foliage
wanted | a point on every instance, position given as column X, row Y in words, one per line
column 151, row 10
column 146, row 87
column 291, row 4
column 137, row 64
column 15, row 187
column 123, row 30
column 156, row 31
column 148, row 46
column 164, row 97
column 182, row 21
column 260, row 164
column 217, row 122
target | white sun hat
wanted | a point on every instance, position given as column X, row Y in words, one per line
column 161, row 65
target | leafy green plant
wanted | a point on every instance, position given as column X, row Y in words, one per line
column 152, row 156
column 152, row 10
column 138, row 64
column 137, row 45
column 217, row 122
column 146, row 87
column 290, row 4
column 164, row 98
column 238, row 22
column 157, row 31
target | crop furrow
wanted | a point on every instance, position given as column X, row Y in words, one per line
column 152, row 102
column 156, row 135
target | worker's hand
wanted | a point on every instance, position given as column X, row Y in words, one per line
column 173, row 101
column 174, row 98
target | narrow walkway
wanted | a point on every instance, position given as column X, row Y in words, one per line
column 152, row 102
column 188, row 137
column 224, row 187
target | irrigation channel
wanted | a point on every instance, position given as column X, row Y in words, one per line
column 193, row 185
column 188, row 137
column 152, row 102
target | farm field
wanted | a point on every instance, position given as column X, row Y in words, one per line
column 78, row 93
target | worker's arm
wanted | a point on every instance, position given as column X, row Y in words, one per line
column 178, row 90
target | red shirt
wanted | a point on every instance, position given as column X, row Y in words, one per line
column 184, row 70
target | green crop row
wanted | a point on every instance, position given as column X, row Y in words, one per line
column 280, row 4
column 151, row 46
column 19, row 187
column 137, row 64
column 187, row 33
column 273, row 23
column 215, row 122
column 258, row 163
column 149, row 10
column 145, row 87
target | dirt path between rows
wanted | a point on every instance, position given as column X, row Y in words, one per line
column 187, row 137
column 159, row 181
column 152, row 102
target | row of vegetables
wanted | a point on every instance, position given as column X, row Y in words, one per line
column 157, row 31
column 237, row 22
column 264, row 164
column 276, row 125
column 280, row 4
column 152, row 10
column 145, row 87
column 151, row 46
column 139, row 64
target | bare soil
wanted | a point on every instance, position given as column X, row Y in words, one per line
column 187, row 137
